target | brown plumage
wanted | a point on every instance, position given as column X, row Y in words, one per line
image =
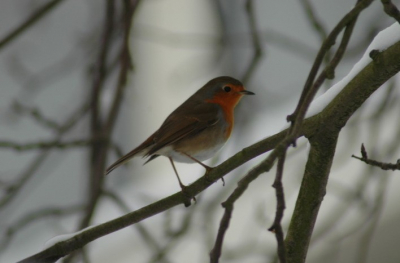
column 195, row 130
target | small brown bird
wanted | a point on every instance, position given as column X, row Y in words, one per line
column 197, row 129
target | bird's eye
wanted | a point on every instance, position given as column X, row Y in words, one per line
column 227, row 89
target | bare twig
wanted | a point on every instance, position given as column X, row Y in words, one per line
column 41, row 145
column 264, row 166
column 336, row 114
column 311, row 87
column 15, row 188
column 35, row 17
column 99, row 149
column 317, row 25
column 383, row 166
column 257, row 47
column 312, row 17
column 328, row 72
column 36, row 114
column 97, row 159
column 36, row 215
column 391, row 9
column 280, row 208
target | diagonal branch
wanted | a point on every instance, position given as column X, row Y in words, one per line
column 383, row 166
column 37, row 115
column 391, row 9
column 35, row 17
column 336, row 114
column 310, row 88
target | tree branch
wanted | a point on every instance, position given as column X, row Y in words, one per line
column 31, row 217
column 15, row 188
column 310, row 87
column 280, row 208
column 312, row 192
column 35, row 17
column 391, row 9
column 383, row 166
column 257, row 47
column 324, row 125
column 36, row 114
column 323, row 143
column 45, row 144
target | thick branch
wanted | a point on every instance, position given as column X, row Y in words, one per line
column 391, row 9
column 323, row 144
column 324, row 125
column 312, row 192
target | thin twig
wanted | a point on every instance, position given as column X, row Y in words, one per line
column 257, row 47
column 317, row 24
column 37, row 115
column 243, row 184
column 34, row 216
column 383, row 166
column 97, row 158
column 97, row 127
column 35, row 17
column 312, row 17
column 280, row 208
column 41, row 145
column 310, row 87
column 26, row 175
column 364, row 84
column 328, row 72
column 391, row 9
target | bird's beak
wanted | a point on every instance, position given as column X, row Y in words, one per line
column 246, row 92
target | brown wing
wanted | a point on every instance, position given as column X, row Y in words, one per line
column 183, row 122
column 186, row 120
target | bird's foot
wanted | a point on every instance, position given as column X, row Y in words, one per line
column 187, row 197
column 208, row 179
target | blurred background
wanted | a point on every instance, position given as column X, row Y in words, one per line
column 48, row 74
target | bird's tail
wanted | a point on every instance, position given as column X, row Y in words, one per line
column 121, row 161
column 137, row 151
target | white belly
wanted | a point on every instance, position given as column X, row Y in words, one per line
column 200, row 156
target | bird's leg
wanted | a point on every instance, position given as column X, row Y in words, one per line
column 208, row 168
column 176, row 173
column 183, row 187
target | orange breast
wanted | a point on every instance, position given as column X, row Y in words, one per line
column 227, row 104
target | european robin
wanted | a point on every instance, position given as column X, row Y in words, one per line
column 195, row 130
